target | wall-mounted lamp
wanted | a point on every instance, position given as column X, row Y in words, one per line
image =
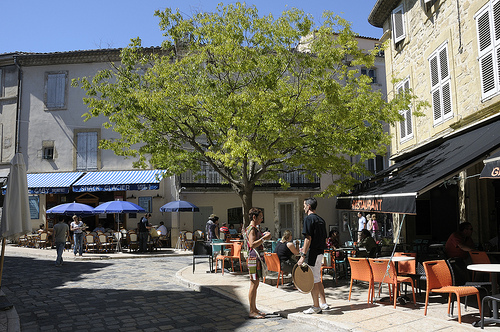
column 158, row 196
column 131, row 197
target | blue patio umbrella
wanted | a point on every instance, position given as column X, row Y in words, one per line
column 70, row 209
column 179, row 206
column 118, row 207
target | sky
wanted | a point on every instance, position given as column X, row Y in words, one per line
column 69, row 25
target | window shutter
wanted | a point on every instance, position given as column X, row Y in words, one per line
column 406, row 124
column 81, row 151
column 398, row 26
column 446, row 93
column 436, row 105
column 443, row 63
column 92, row 151
column 487, row 75
column 483, row 32
column 434, row 71
column 496, row 20
column 56, row 88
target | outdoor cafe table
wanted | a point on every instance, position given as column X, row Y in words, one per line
column 493, row 269
column 224, row 244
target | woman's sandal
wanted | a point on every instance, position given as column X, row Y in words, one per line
column 257, row 316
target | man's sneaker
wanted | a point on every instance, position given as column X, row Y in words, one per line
column 324, row 306
column 312, row 310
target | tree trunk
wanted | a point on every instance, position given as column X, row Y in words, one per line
column 247, row 204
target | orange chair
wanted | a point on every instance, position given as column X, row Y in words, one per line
column 236, row 254
column 439, row 280
column 382, row 275
column 479, row 257
column 330, row 266
column 273, row 264
column 360, row 270
column 408, row 268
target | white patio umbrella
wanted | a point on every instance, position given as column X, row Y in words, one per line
column 16, row 210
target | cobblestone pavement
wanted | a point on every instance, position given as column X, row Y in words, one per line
column 121, row 295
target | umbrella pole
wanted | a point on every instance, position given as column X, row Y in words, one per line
column 2, row 259
column 119, row 246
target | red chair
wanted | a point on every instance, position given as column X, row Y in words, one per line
column 382, row 275
column 439, row 280
column 236, row 254
column 273, row 264
column 360, row 270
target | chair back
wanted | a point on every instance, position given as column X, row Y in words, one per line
column 202, row 248
column 43, row 236
column 458, row 270
column 379, row 269
column 360, row 269
column 438, row 274
column 89, row 238
column 188, row 236
column 479, row 257
column 102, row 238
column 132, row 236
column 407, row 267
column 236, row 249
column 272, row 261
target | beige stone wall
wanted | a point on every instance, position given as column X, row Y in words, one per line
column 447, row 22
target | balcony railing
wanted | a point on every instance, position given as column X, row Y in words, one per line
column 210, row 178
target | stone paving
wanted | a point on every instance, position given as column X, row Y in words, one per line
column 119, row 295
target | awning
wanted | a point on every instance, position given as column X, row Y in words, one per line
column 51, row 183
column 119, row 181
column 396, row 189
column 491, row 168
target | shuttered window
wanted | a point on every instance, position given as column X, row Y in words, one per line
column 440, row 85
column 488, row 40
column 55, row 90
column 86, row 151
column 405, row 126
column 398, row 24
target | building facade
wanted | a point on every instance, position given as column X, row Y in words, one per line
column 446, row 53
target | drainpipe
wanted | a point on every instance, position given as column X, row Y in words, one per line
column 18, row 113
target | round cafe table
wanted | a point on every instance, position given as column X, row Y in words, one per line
column 493, row 269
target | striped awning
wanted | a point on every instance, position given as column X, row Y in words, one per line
column 51, row 183
column 119, row 181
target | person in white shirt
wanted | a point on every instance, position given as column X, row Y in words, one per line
column 361, row 225
column 162, row 230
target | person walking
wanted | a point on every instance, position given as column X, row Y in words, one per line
column 77, row 229
column 361, row 225
column 61, row 232
column 255, row 240
column 314, row 246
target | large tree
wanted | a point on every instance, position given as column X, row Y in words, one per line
column 247, row 95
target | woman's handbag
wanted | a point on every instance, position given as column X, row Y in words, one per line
column 263, row 265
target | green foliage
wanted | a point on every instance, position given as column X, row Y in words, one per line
column 246, row 94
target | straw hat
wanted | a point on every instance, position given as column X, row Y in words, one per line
column 303, row 278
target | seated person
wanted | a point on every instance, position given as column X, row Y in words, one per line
column 368, row 243
column 332, row 243
column 224, row 229
column 162, row 230
column 232, row 231
column 99, row 228
column 286, row 252
column 42, row 228
column 460, row 242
